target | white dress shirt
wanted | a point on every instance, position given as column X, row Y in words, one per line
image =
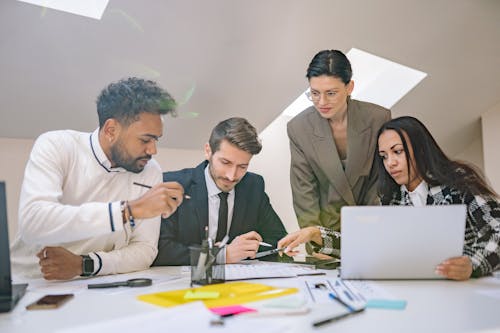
column 418, row 196
column 213, row 209
column 71, row 196
column 214, row 204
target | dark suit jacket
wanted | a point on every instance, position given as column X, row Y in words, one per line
column 320, row 186
column 252, row 212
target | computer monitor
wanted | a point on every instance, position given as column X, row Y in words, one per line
column 9, row 293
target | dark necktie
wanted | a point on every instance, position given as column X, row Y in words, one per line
column 222, row 224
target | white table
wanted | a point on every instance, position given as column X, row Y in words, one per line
column 433, row 306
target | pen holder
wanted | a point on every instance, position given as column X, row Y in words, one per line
column 204, row 268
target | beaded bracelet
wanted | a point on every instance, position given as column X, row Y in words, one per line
column 130, row 216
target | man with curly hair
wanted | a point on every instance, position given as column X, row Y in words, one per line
column 80, row 212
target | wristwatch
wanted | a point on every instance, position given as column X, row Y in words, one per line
column 87, row 266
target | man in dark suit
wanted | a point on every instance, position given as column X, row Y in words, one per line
column 224, row 197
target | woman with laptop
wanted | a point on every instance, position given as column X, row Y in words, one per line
column 413, row 170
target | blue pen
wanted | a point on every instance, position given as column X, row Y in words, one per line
column 335, row 297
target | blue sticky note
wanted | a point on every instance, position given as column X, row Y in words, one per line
column 392, row 304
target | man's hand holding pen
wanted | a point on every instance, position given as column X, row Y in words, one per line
column 163, row 198
column 242, row 247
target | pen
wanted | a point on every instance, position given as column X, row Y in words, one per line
column 332, row 296
column 269, row 252
column 186, row 196
column 335, row 318
column 200, row 266
column 221, row 245
column 265, row 244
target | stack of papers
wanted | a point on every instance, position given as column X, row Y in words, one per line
column 266, row 270
column 356, row 293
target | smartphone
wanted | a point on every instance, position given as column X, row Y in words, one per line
column 50, row 302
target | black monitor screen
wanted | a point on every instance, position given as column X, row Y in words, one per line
column 5, row 282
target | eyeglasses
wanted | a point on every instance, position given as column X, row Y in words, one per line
column 315, row 96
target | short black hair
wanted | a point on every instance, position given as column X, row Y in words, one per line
column 237, row 131
column 331, row 63
column 126, row 99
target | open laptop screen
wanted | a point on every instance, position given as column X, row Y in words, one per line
column 399, row 242
column 10, row 293
column 5, row 278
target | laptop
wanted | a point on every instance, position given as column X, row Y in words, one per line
column 10, row 293
column 399, row 242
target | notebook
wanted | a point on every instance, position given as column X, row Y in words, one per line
column 10, row 293
column 399, row 242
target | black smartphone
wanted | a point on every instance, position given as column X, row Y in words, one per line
column 50, row 302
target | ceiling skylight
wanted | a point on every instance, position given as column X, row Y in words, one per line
column 376, row 80
column 89, row 8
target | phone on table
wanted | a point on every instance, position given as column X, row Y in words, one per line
column 50, row 302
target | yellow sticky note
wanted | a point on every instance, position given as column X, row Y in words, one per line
column 194, row 295
column 216, row 295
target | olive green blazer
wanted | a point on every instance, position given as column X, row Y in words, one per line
column 320, row 186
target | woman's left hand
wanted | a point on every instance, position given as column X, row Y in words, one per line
column 291, row 241
column 458, row 268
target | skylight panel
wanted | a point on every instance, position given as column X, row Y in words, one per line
column 89, row 8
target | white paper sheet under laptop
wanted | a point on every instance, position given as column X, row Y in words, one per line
column 399, row 242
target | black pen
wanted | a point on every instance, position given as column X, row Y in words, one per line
column 147, row 186
column 269, row 252
column 337, row 317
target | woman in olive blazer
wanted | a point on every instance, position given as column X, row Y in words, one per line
column 332, row 146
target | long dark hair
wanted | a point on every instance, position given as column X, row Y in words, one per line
column 431, row 162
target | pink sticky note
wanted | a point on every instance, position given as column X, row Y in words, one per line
column 231, row 310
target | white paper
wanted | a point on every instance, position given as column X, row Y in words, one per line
column 178, row 319
column 264, row 270
column 80, row 285
column 353, row 292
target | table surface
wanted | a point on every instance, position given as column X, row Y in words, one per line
column 432, row 306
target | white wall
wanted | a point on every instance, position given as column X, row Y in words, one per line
column 273, row 163
column 15, row 154
column 473, row 153
column 490, row 122
column 175, row 159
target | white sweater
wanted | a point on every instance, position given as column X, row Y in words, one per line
column 71, row 197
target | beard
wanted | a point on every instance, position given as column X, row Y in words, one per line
column 121, row 158
column 224, row 187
